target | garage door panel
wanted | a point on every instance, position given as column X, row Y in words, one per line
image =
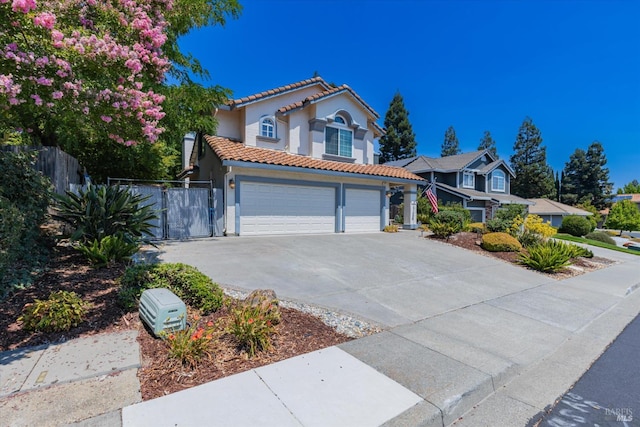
column 286, row 209
column 362, row 210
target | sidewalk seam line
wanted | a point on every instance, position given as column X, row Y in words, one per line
column 278, row 397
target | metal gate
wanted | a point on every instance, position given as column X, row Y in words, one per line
column 183, row 212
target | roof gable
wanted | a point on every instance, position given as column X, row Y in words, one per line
column 246, row 100
column 325, row 91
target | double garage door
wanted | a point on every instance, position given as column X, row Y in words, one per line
column 267, row 208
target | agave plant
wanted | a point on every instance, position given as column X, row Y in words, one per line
column 100, row 211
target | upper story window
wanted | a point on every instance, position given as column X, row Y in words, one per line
column 469, row 180
column 338, row 138
column 497, row 180
column 267, row 127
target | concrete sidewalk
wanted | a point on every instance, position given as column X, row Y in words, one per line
column 493, row 348
column 75, row 380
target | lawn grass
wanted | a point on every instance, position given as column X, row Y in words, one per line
column 570, row 238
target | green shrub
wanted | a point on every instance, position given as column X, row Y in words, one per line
column 529, row 238
column 190, row 285
column 545, row 257
column 253, row 326
column 100, row 211
column 476, row 227
column 600, row 236
column 108, row 250
column 569, row 249
column 61, row 312
column 423, row 218
column 500, row 242
column 497, row 225
column 575, row 225
column 446, row 223
column 457, row 207
column 11, row 228
column 24, row 197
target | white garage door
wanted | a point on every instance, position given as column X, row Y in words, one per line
column 286, row 209
column 362, row 210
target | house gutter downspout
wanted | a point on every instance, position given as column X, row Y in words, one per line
column 225, row 198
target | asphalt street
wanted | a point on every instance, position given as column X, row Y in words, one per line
column 608, row 394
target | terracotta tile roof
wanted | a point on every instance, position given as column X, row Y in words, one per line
column 238, row 102
column 333, row 91
column 227, row 149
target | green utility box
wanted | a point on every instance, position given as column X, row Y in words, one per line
column 162, row 311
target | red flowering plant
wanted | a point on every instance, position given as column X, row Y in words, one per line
column 253, row 326
column 191, row 344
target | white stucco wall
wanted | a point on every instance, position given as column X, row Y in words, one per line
column 229, row 124
column 254, row 112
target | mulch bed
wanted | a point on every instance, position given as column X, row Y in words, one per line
column 471, row 241
column 298, row 332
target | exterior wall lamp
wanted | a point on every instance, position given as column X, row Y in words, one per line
column 232, row 184
column 388, row 194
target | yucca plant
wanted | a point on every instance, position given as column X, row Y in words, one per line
column 100, row 211
column 109, row 249
column 545, row 257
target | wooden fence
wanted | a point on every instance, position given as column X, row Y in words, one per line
column 63, row 169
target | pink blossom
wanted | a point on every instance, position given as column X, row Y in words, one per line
column 14, row 101
column 23, row 6
column 85, row 111
column 106, row 119
column 37, row 99
column 44, row 81
column 57, row 36
column 57, row 94
column 45, row 19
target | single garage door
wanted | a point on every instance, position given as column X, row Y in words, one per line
column 362, row 210
column 286, row 209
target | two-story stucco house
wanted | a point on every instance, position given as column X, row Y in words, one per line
column 478, row 181
column 298, row 159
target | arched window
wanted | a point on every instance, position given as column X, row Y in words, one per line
column 339, row 138
column 497, row 180
column 268, row 127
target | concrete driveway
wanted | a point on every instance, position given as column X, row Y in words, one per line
column 389, row 279
column 460, row 328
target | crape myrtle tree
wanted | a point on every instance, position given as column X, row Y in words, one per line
column 450, row 145
column 586, row 179
column 534, row 178
column 399, row 141
column 488, row 143
column 90, row 76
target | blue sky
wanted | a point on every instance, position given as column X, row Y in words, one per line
column 572, row 66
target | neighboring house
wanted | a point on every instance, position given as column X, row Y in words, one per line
column 635, row 198
column 298, row 159
column 477, row 180
column 553, row 212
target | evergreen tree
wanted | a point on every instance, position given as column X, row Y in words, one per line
column 399, row 142
column 488, row 143
column 574, row 174
column 631, row 188
column 534, row 178
column 450, row 146
column 586, row 178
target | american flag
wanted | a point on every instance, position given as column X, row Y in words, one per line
column 433, row 199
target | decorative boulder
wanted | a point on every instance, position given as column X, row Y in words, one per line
column 267, row 301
